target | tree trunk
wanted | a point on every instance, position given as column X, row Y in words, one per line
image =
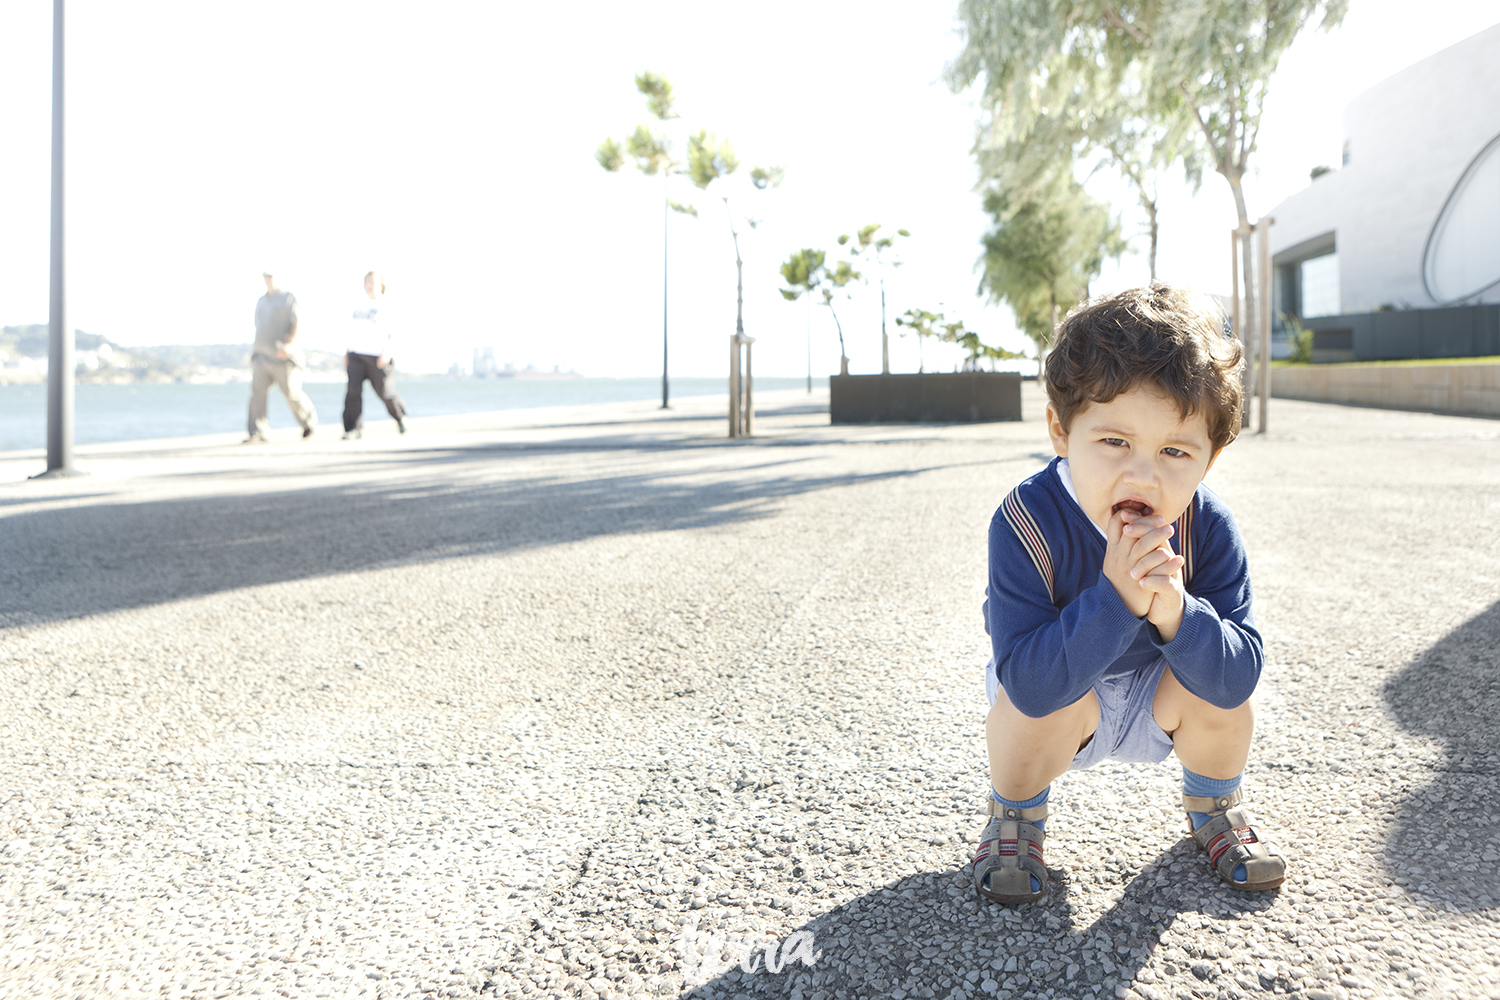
column 1151, row 217
column 1234, row 176
column 739, row 418
column 1042, row 350
column 1234, row 172
column 1148, row 202
column 739, row 267
column 843, row 354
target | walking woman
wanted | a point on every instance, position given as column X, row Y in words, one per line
column 369, row 357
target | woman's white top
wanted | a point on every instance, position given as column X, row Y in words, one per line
column 369, row 329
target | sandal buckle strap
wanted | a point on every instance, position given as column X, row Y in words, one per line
column 1212, row 804
column 1031, row 815
column 1229, row 838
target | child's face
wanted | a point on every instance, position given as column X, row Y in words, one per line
column 1134, row 447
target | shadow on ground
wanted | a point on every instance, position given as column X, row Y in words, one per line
column 67, row 562
column 1446, row 845
column 923, row 937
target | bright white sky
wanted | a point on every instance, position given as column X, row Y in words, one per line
column 451, row 146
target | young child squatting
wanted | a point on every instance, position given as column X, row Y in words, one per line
column 1118, row 604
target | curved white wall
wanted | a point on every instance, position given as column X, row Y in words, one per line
column 1411, row 140
column 1463, row 252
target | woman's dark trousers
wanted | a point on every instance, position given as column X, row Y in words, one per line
column 382, row 380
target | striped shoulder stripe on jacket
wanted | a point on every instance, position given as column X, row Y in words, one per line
column 1030, row 534
column 1183, row 532
column 1035, row 544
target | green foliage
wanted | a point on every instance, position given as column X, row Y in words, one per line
column 709, row 158
column 920, row 322
column 658, row 93
column 807, row 271
column 1060, row 93
column 934, row 325
column 842, row 274
column 610, row 156
column 651, row 150
column 1047, row 244
column 1302, row 340
column 1302, row 347
column 1146, row 81
column 767, row 177
column 1212, row 61
column 865, row 241
column 803, row 271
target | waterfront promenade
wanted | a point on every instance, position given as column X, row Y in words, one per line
column 586, row 702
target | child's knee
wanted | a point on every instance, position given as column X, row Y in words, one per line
column 1075, row 722
column 1200, row 714
column 1174, row 704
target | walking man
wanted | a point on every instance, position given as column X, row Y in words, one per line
column 272, row 360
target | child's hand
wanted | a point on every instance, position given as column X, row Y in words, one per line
column 1165, row 586
column 1139, row 562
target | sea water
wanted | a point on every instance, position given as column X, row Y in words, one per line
column 176, row 409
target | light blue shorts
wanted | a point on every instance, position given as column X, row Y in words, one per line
column 1127, row 729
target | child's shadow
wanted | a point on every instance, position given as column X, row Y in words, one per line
column 1445, row 844
column 923, row 936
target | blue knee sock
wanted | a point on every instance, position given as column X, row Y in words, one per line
column 1036, row 800
column 1196, row 784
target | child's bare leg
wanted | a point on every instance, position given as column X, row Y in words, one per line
column 1212, row 741
column 1026, row 753
column 1213, row 745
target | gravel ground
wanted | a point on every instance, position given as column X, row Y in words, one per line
column 596, row 703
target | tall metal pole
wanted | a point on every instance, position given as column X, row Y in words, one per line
column 1264, row 371
column 60, row 376
column 885, row 342
column 665, row 212
column 809, row 341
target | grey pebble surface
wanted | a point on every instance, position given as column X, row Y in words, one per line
column 595, row 703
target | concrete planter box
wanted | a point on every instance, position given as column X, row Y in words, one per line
column 1463, row 390
column 935, row 397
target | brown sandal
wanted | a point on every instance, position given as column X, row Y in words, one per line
column 1010, row 855
column 1231, row 839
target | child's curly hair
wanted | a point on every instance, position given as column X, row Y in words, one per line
column 1161, row 337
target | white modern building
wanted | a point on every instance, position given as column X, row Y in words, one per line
column 1397, row 252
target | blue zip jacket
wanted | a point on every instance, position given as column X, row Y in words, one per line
column 1057, row 626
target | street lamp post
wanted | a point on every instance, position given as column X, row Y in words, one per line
column 60, row 375
column 666, row 210
column 809, row 343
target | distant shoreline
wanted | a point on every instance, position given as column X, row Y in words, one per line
column 111, row 412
